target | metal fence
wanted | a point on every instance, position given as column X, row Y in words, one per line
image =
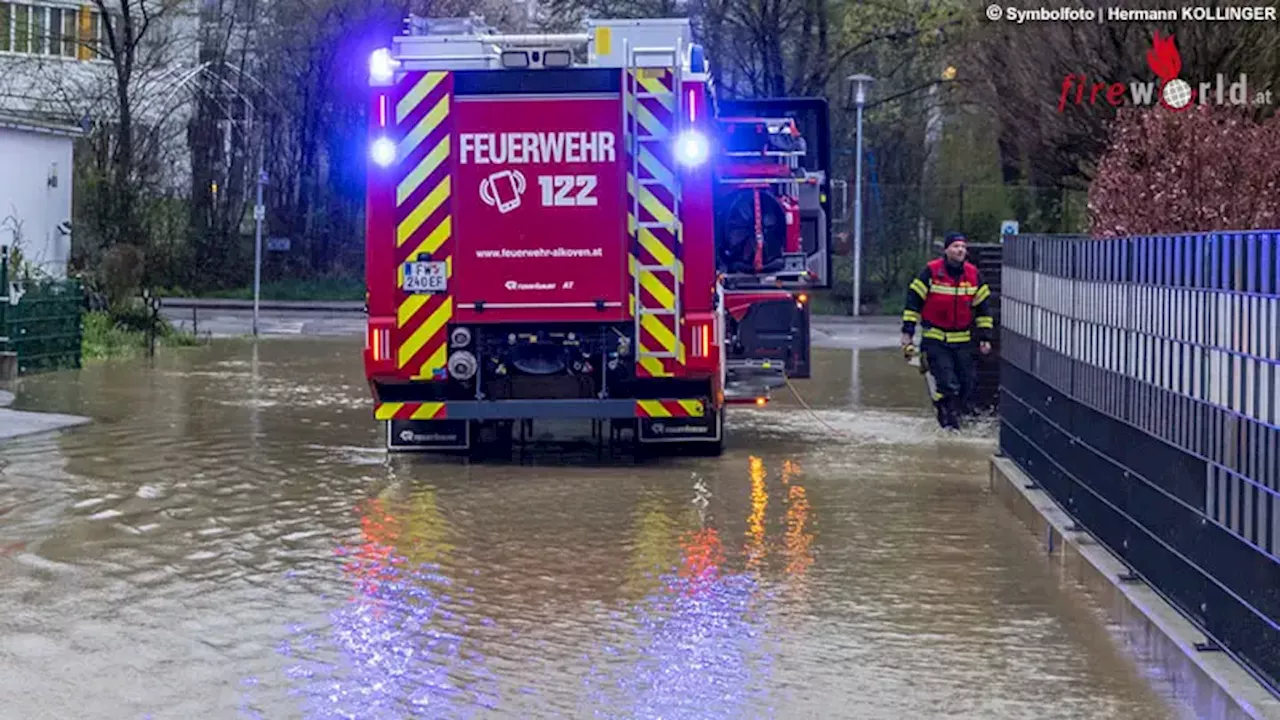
column 1140, row 387
column 42, row 321
column 989, row 258
column 903, row 225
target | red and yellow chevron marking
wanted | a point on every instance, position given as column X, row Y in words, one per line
column 411, row 411
column 424, row 225
column 670, row 408
column 654, row 185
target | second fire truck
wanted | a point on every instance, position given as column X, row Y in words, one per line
column 574, row 226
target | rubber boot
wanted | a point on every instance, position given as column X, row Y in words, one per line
column 946, row 415
column 955, row 412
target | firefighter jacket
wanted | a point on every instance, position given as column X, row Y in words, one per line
column 947, row 301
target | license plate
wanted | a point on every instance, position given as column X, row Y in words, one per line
column 425, row 277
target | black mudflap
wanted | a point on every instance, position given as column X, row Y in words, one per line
column 428, row 435
column 708, row 429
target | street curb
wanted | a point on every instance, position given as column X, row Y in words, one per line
column 1211, row 684
column 21, row 423
column 355, row 306
column 343, row 306
column 860, row 320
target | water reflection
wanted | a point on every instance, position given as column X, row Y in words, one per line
column 755, row 523
column 654, row 550
column 397, row 647
column 698, row 646
column 420, row 532
column 798, row 539
column 185, row 541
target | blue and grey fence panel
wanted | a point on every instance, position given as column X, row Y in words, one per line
column 1140, row 386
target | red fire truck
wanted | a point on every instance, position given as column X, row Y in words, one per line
column 575, row 226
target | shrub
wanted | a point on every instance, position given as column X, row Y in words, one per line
column 121, row 273
column 1202, row 170
column 110, row 336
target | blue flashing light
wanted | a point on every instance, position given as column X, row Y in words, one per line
column 383, row 152
column 382, row 67
column 692, row 148
column 697, row 59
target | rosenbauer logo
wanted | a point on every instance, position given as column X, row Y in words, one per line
column 1169, row 90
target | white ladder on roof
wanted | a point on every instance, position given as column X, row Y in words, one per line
column 639, row 138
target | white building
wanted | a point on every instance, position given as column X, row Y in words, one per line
column 55, row 63
column 35, row 193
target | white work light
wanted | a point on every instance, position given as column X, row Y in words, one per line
column 691, row 148
column 383, row 152
column 382, row 67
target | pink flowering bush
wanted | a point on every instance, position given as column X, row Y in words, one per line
column 1201, row 170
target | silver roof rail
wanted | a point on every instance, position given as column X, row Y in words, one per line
column 469, row 43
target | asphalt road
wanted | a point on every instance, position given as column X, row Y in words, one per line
column 338, row 320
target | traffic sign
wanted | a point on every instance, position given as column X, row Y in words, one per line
column 1008, row 227
column 278, row 244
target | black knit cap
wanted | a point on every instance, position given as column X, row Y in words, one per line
column 953, row 238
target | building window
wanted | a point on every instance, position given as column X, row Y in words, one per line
column 70, row 33
column 91, row 27
column 35, row 29
column 22, row 28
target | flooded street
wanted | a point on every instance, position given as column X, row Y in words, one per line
column 228, row 540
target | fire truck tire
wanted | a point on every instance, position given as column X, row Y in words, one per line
column 492, row 439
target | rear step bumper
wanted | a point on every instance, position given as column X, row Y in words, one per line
column 447, row 426
column 584, row 409
column 750, row 380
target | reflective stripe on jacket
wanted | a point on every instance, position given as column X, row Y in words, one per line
column 947, row 306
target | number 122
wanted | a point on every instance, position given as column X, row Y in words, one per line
column 556, row 190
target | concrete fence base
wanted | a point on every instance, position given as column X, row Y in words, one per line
column 8, row 368
column 1210, row 684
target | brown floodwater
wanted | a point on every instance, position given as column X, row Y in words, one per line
column 228, row 540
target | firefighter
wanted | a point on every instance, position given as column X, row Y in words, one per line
column 946, row 299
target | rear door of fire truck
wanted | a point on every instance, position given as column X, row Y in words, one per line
column 812, row 117
column 769, row 312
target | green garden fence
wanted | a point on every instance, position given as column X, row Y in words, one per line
column 42, row 321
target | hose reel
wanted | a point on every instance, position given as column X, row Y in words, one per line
column 755, row 232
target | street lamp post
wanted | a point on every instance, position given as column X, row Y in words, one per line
column 858, row 85
column 259, row 210
column 251, row 111
column 259, row 214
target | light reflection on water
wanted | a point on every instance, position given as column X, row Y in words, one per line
column 399, row 648
column 697, row 648
column 693, row 647
column 227, row 540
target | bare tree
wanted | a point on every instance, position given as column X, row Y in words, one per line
column 127, row 51
column 309, row 60
column 142, row 39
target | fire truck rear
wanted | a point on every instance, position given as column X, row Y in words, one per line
column 549, row 222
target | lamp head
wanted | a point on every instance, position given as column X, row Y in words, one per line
column 859, row 85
